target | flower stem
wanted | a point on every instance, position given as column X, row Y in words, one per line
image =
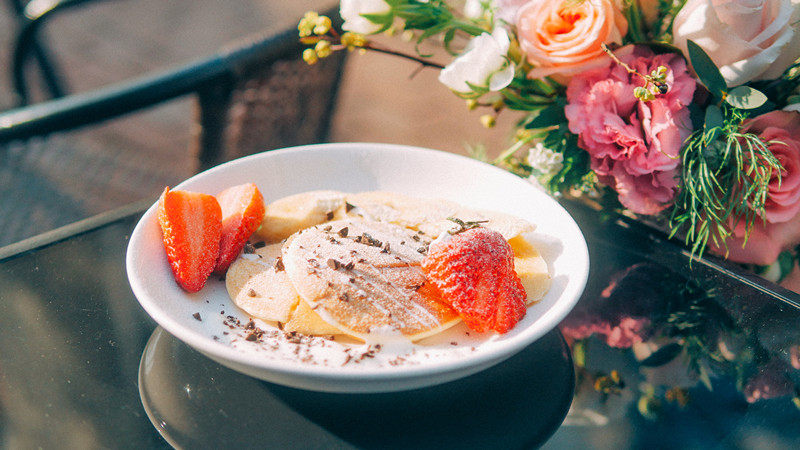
column 388, row 51
column 510, row 151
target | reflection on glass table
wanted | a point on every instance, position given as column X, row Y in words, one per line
column 661, row 360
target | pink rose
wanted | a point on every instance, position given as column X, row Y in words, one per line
column 747, row 39
column 781, row 131
column 563, row 37
column 634, row 145
column 766, row 241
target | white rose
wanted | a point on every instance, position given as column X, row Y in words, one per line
column 747, row 39
column 484, row 62
column 352, row 10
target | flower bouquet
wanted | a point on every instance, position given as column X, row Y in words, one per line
column 682, row 112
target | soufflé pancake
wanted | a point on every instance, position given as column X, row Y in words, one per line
column 333, row 263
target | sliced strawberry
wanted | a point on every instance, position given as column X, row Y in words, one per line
column 191, row 224
column 242, row 213
column 474, row 271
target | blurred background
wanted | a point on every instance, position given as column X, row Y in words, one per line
column 102, row 42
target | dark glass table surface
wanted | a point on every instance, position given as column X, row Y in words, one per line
column 72, row 339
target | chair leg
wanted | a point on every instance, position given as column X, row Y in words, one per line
column 29, row 41
column 214, row 103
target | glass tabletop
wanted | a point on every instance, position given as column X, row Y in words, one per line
column 666, row 354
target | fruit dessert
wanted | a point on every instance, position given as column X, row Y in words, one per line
column 371, row 266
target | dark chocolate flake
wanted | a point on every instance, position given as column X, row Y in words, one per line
column 329, row 215
column 279, row 264
column 349, row 266
column 343, row 232
column 252, row 337
column 328, row 228
column 197, row 317
column 252, row 293
column 259, row 244
column 249, row 248
column 334, row 264
column 348, row 207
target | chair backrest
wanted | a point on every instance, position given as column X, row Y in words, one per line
column 255, row 95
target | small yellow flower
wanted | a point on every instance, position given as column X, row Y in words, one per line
column 322, row 25
column 488, row 120
column 307, row 24
column 660, row 73
column 472, row 104
column 310, row 56
column 323, row 49
column 643, row 94
column 523, row 135
column 353, row 40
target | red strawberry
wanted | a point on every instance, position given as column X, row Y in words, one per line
column 242, row 213
column 191, row 224
column 474, row 271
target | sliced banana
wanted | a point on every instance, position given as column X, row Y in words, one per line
column 289, row 215
column 258, row 284
column 531, row 269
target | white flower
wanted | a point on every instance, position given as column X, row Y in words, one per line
column 545, row 161
column 483, row 63
column 474, row 9
column 352, row 10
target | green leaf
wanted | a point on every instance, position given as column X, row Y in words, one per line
column 713, row 118
column 745, row 97
column 786, row 264
column 662, row 356
column 706, row 70
column 548, row 117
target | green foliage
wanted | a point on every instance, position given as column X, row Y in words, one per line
column 576, row 171
column 706, row 70
column 725, row 179
column 745, row 97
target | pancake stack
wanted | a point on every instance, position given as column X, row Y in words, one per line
column 331, row 263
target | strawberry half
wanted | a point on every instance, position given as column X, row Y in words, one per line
column 191, row 225
column 474, row 271
column 242, row 212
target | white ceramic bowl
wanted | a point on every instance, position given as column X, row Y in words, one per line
column 355, row 167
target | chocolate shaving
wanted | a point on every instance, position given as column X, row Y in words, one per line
column 250, row 325
column 248, row 248
column 349, row 266
column 328, row 228
column 385, row 248
column 279, row 267
column 343, row 232
column 259, row 244
column 415, row 237
column 348, row 207
column 252, row 337
column 197, row 317
column 329, row 215
column 252, row 293
column 334, row 264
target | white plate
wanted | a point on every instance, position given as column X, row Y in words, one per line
column 355, row 167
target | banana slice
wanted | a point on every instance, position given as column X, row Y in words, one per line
column 365, row 278
column 289, row 215
column 304, row 320
column 531, row 269
column 259, row 285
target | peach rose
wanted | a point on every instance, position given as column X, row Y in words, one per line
column 563, row 37
column 747, row 39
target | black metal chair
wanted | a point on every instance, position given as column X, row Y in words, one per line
column 254, row 95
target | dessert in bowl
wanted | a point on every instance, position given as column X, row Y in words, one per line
column 331, row 292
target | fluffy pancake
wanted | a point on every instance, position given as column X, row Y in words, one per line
column 365, row 278
column 291, row 214
column 430, row 216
